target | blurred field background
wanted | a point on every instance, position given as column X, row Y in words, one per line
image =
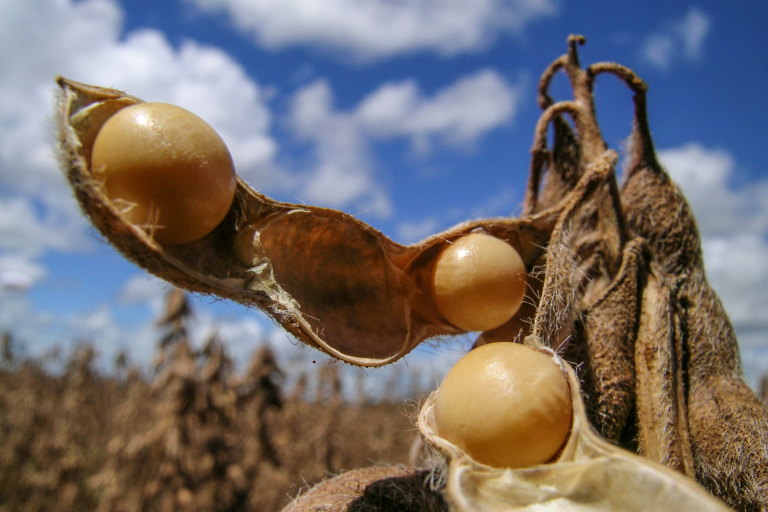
column 187, row 434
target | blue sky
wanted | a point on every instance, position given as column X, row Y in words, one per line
column 414, row 115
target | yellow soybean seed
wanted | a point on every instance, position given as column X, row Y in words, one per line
column 167, row 169
column 478, row 282
column 506, row 405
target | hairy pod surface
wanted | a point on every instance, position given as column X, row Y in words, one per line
column 654, row 346
column 376, row 488
column 719, row 425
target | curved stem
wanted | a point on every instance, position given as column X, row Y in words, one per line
column 559, row 108
column 573, row 52
column 531, row 201
column 544, row 99
column 591, row 141
column 540, row 153
column 623, row 73
column 643, row 152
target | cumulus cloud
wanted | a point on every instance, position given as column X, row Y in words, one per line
column 26, row 232
column 19, row 273
column 457, row 115
column 409, row 232
column 370, row 29
column 202, row 79
column 82, row 41
column 680, row 40
column 343, row 173
column 144, row 288
column 736, row 269
column 27, row 325
column 734, row 226
column 103, row 325
column 23, row 228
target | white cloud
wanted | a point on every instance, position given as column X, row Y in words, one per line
column 737, row 268
column 40, row 331
column 25, row 229
column 19, row 273
column 734, row 227
column 457, row 115
column 680, row 40
column 369, row 29
column 409, row 232
column 145, row 288
column 658, row 50
column 27, row 325
column 692, row 30
column 343, row 174
column 754, row 356
column 82, row 41
column 26, row 232
column 201, row 79
column 97, row 326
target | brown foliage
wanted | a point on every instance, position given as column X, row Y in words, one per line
column 193, row 437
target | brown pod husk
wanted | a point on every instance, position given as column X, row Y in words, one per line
column 662, row 424
column 586, row 248
column 687, row 406
column 328, row 278
column 559, row 172
column 721, row 424
column 589, row 474
column 604, row 346
column 374, row 489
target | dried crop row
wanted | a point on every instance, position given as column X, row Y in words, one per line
column 194, row 437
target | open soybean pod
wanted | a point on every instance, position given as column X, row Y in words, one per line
column 331, row 280
column 587, row 475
